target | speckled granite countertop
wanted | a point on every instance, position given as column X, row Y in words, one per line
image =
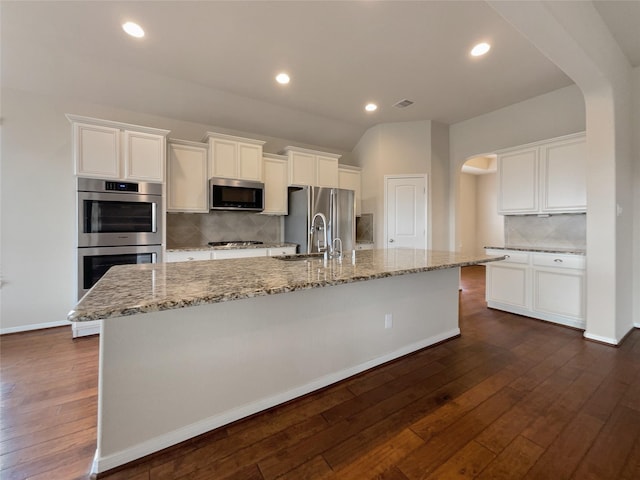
column 569, row 251
column 232, row 246
column 133, row 289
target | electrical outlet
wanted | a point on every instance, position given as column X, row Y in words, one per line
column 388, row 320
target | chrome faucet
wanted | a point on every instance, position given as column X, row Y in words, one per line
column 312, row 230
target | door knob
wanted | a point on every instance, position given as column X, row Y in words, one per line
column 391, row 240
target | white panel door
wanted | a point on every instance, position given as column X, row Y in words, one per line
column 405, row 212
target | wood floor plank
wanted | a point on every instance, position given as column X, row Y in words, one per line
column 607, row 456
column 546, row 427
column 380, row 458
column 423, row 461
column 514, row 461
column 466, row 463
column 565, row 453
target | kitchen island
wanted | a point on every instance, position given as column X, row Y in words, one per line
column 188, row 347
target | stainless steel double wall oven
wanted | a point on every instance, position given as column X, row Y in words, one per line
column 118, row 223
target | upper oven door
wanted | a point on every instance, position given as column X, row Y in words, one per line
column 106, row 219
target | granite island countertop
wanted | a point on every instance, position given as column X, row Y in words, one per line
column 559, row 250
column 134, row 289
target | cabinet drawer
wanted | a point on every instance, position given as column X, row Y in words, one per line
column 239, row 253
column 559, row 261
column 511, row 256
column 188, row 255
column 282, row 251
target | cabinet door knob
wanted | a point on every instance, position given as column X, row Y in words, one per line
column 391, row 240
column 558, row 260
column 507, row 256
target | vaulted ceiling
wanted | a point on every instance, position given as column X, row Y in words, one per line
column 214, row 62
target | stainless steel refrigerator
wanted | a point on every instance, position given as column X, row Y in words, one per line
column 337, row 205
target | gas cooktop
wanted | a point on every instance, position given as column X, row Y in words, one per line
column 235, row 244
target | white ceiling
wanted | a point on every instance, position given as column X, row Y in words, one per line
column 214, row 62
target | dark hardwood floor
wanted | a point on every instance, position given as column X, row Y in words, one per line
column 512, row 398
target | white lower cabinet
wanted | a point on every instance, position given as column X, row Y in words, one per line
column 546, row 286
column 508, row 284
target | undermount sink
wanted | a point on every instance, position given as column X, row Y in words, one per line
column 300, row 257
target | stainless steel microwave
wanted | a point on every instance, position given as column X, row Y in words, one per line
column 230, row 194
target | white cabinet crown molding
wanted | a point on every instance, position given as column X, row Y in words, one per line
column 310, row 152
column 187, row 143
column 233, row 138
column 539, row 143
column 113, row 124
column 274, row 156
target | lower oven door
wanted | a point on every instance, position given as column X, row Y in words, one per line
column 93, row 262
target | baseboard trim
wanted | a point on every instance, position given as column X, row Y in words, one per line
column 601, row 339
column 34, row 326
column 138, row 451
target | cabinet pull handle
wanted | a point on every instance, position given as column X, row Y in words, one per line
column 558, row 260
column 507, row 256
column 189, row 258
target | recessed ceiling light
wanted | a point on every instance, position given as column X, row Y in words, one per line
column 371, row 107
column 133, row 29
column 282, row 78
column 480, row 49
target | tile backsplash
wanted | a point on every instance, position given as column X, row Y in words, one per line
column 364, row 228
column 196, row 229
column 559, row 231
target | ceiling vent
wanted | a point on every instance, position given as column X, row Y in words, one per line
column 403, row 103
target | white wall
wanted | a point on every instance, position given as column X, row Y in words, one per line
column 490, row 225
column 419, row 147
column 37, row 243
column 636, row 189
column 467, row 203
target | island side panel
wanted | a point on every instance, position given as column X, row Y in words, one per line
column 168, row 376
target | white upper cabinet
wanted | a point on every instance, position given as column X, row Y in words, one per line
column 96, row 150
column 234, row 157
column 327, row 171
column 350, row 179
column 310, row 167
column 518, row 182
column 545, row 177
column 564, row 174
column 275, row 184
column 106, row 149
column 187, row 179
column 144, row 156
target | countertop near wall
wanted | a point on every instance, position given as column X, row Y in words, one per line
column 564, row 250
